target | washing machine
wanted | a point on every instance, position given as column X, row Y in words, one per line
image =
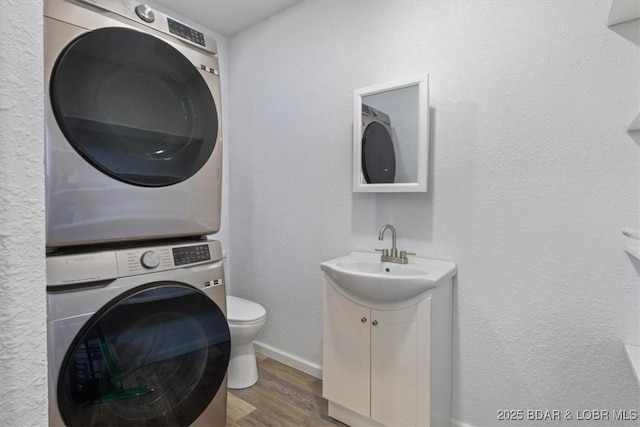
column 132, row 124
column 137, row 336
column 378, row 152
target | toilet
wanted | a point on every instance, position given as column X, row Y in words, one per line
column 246, row 319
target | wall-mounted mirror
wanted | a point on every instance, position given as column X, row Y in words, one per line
column 390, row 136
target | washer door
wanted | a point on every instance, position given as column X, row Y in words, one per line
column 134, row 107
column 156, row 356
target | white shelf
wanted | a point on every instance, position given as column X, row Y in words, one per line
column 624, row 19
column 635, row 124
column 633, row 353
column 623, row 11
column 633, row 250
column 632, row 242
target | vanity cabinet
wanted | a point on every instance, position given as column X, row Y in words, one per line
column 346, row 352
column 388, row 366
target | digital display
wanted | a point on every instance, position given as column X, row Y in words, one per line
column 191, row 254
column 185, row 32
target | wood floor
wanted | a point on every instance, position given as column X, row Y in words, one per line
column 282, row 397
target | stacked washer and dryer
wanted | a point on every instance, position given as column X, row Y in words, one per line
column 137, row 332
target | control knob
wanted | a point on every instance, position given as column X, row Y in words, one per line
column 145, row 13
column 150, row 259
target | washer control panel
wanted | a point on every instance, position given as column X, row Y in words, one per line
column 65, row 269
column 190, row 254
column 161, row 258
column 150, row 259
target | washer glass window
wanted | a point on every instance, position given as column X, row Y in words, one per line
column 156, row 356
column 134, row 107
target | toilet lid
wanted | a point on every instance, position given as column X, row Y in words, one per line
column 242, row 310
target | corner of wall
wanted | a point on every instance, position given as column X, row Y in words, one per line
column 23, row 314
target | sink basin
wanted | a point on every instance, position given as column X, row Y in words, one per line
column 365, row 279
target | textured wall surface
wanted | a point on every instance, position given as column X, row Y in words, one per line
column 532, row 177
column 23, row 334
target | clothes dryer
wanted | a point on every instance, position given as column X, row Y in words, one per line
column 133, row 124
column 138, row 337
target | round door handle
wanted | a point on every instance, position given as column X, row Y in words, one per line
column 364, row 319
column 374, row 323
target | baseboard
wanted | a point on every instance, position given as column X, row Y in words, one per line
column 456, row 423
column 289, row 359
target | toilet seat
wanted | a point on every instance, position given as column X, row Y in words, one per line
column 245, row 312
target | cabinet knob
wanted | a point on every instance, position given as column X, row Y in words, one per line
column 374, row 323
column 364, row 319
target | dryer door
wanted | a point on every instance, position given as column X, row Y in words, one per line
column 378, row 155
column 134, row 107
column 156, row 356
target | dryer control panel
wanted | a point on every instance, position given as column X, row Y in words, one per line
column 150, row 17
column 179, row 29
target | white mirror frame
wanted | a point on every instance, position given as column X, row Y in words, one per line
column 423, row 136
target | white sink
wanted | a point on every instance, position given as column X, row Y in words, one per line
column 367, row 280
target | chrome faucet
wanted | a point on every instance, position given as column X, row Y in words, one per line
column 394, row 251
column 392, row 255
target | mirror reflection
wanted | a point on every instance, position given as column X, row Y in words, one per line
column 390, row 136
column 390, row 143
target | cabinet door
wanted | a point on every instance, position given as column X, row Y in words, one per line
column 400, row 365
column 345, row 352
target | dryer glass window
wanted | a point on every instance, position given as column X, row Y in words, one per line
column 134, row 107
column 154, row 357
column 378, row 155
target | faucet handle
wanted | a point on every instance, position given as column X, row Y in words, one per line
column 385, row 252
column 403, row 254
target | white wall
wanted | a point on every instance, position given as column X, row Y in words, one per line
column 532, row 178
column 23, row 334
